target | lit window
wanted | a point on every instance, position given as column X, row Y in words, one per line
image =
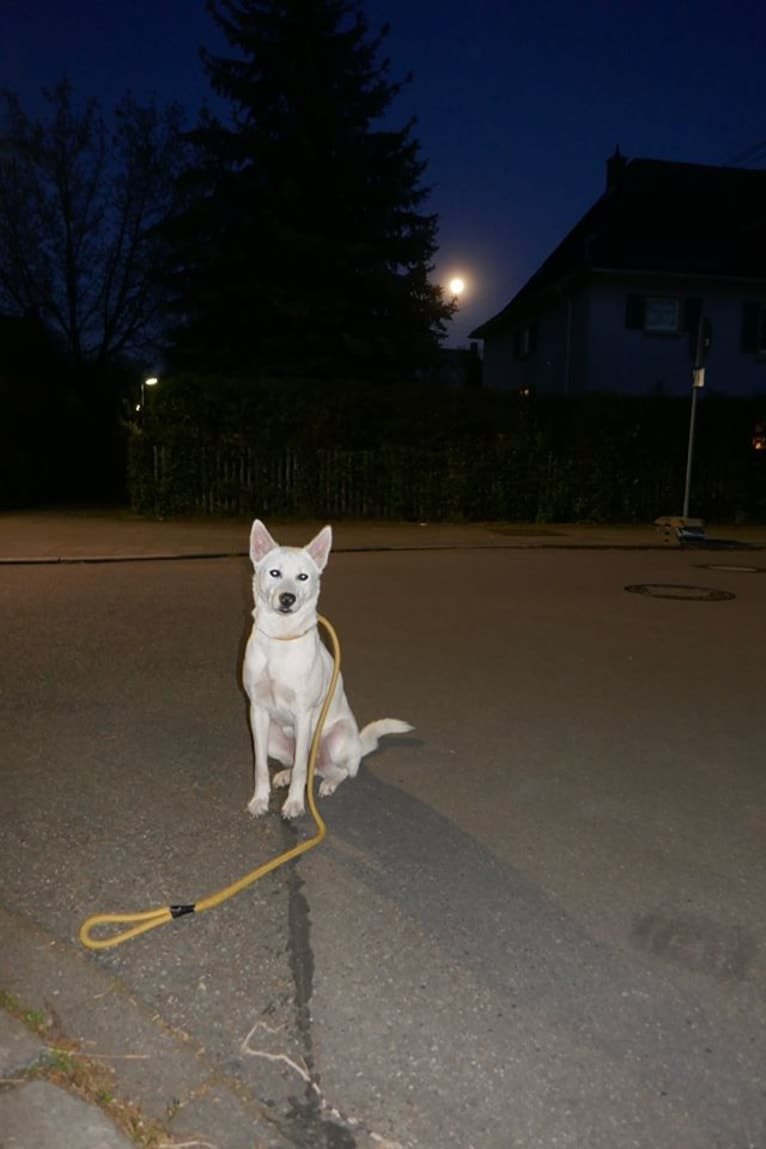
column 661, row 315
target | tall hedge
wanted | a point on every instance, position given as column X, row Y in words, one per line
column 293, row 447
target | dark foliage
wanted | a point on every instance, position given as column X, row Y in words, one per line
column 81, row 196
column 61, row 435
column 354, row 449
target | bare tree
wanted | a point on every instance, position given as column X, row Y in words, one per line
column 80, row 205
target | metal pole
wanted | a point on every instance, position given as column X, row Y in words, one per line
column 700, row 346
column 690, row 452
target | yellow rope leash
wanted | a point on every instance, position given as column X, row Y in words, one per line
column 150, row 919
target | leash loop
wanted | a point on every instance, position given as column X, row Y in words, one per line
column 140, row 923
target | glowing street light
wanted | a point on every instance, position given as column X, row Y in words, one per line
column 152, row 381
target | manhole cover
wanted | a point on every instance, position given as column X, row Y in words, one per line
column 680, row 591
column 737, row 569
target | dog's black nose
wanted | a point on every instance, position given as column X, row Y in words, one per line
column 286, row 600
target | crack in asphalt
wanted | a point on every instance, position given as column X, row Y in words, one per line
column 308, row 1118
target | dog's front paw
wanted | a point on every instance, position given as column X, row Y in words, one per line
column 292, row 808
column 282, row 778
column 258, row 806
column 326, row 788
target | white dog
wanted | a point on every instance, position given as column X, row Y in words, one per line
column 286, row 674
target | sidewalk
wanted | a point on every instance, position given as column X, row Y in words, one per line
column 34, row 1112
column 76, row 1077
column 83, row 536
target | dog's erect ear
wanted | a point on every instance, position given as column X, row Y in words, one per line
column 319, row 547
column 261, row 542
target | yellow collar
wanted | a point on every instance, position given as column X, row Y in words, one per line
column 286, row 637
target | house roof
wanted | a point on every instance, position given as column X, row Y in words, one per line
column 657, row 216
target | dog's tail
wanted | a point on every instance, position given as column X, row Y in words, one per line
column 374, row 731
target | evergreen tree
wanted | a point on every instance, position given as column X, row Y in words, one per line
column 303, row 247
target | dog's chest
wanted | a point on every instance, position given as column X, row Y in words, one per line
column 275, row 696
column 279, row 676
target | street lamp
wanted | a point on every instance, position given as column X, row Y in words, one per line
column 152, row 381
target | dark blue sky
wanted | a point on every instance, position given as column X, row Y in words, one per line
column 518, row 104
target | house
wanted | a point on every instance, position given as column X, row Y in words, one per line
column 617, row 305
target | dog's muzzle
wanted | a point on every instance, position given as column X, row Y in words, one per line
column 286, row 602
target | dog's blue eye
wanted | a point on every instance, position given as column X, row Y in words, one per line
column 302, row 576
column 275, row 573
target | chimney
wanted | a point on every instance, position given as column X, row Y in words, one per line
column 615, row 166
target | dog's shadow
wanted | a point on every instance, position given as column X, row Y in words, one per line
column 517, row 941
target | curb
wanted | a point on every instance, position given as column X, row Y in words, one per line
column 157, row 1073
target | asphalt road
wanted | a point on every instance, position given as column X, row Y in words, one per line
column 537, row 922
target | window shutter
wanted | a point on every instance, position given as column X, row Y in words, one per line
column 749, row 336
column 692, row 310
column 635, row 309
